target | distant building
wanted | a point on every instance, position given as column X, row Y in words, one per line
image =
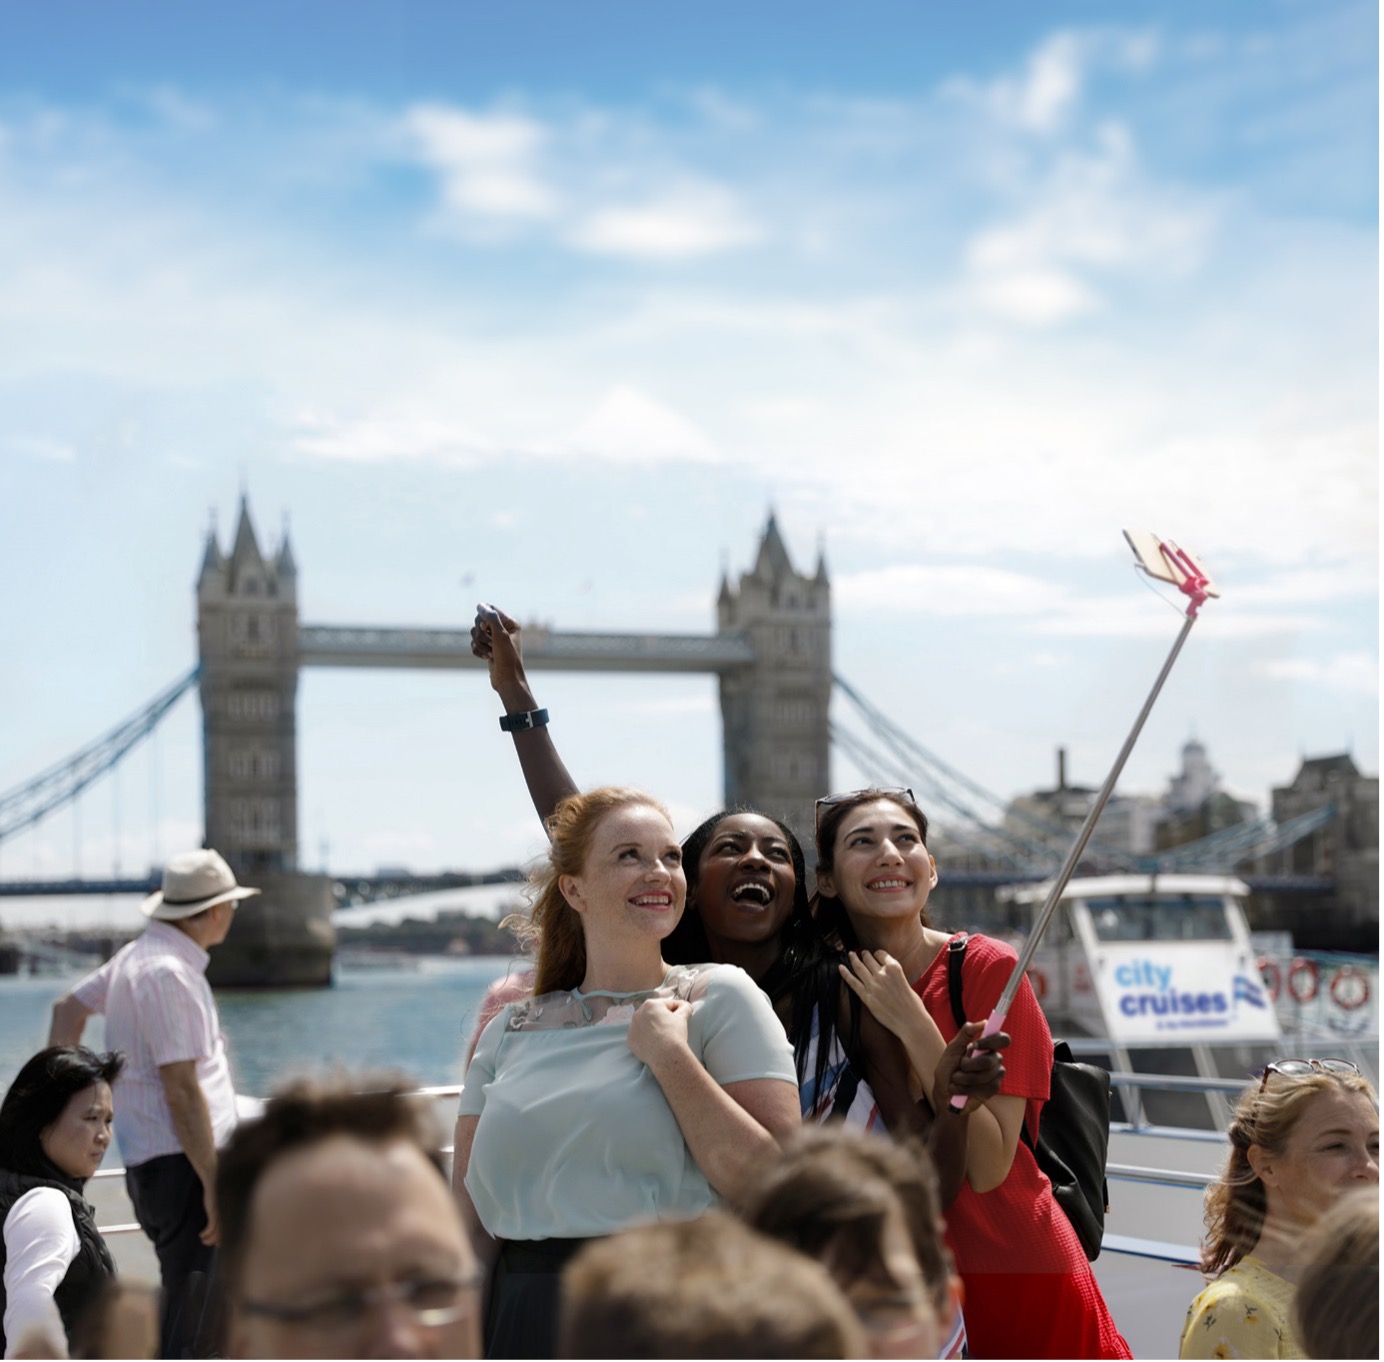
column 1194, row 784
column 1194, row 806
column 1345, row 850
column 1050, row 817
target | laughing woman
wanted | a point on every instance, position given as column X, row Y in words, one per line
column 624, row 1089
column 1029, row 1290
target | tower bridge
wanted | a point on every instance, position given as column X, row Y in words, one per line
column 770, row 652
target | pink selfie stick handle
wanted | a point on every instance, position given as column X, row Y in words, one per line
column 995, row 1023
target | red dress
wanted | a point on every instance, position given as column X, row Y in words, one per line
column 1029, row 1290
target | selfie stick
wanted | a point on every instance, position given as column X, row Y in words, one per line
column 1182, row 570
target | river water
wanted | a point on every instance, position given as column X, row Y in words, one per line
column 417, row 1020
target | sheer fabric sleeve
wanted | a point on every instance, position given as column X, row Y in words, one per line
column 481, row 1070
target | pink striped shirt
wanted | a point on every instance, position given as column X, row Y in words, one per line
column 159, row 1010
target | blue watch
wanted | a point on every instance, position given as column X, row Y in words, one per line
column 524, row 720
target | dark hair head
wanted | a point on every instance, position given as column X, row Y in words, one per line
column 369, row 1107
column 830, row 912
column 805, row 970
column 37, row 1097
column 830, row 1195
column 686, row 943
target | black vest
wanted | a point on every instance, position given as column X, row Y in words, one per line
column 88, row 1271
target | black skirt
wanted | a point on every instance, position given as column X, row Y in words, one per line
column 522, row 1310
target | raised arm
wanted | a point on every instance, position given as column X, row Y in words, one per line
column 495, row 640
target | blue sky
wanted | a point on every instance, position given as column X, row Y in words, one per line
column 550, row 303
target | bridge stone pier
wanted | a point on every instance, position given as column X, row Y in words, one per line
column 771, row 653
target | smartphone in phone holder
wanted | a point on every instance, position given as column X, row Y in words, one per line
column 1164, row 561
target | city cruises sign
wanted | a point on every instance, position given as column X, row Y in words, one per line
column 1181, row 992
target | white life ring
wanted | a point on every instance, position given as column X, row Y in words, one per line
column 1304, row 980
column 1349, row 988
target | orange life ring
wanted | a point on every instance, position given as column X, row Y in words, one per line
column 1038, row 981
column 1305, row 970
column 1273, row 980
column 1357, row 984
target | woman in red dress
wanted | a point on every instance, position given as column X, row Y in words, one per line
column 1029, row 1290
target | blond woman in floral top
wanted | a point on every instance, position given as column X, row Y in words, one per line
column 1303, row 1135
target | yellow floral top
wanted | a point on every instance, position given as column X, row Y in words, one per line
column 1246, row 1312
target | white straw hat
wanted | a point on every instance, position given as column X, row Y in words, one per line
column 192, row 883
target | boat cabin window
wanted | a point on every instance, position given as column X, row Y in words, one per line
column 1156, row 918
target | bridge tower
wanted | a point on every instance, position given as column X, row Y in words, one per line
column 774, row 711
column 247, row 628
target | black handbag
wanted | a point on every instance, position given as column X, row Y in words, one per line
column 1073, row 1131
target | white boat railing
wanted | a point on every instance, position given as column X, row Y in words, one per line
column 1134, row 1173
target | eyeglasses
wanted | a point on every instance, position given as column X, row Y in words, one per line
column 1300, row 1068
column 880, row 791
column 433, row 1302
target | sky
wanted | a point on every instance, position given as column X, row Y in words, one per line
column 551, row 304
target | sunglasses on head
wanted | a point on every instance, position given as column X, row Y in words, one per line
column 1300, row 1068
column 880, row 791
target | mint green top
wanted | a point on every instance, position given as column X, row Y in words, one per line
column 575, row 1138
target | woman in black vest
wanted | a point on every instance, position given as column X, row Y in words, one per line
column 55, row 1127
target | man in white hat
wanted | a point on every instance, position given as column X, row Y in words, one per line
column 174, row 1102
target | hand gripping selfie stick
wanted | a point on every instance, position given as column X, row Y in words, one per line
column 1163, row 560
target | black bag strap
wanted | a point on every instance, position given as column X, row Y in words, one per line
column 956, row 954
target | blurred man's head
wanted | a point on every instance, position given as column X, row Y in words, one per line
column 340, row 1237
column 709, row 1287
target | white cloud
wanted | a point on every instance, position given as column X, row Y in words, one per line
column 1042, row 98
column 685, row 222
column 1128, row 617
column 486, row 163
column 628, row 426
column 41, row 447
column 1034, row 297
column 1351, row 673
column 952, row 589
column 388, row 437
column 1094, row 212
column 624, row 426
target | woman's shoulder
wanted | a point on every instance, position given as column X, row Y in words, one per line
column 710, row 978
column 985, row 949
column 1245, row 1307
column 40, row 1210
column 1247, row 1287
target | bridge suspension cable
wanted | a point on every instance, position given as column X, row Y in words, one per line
column 33, row 801
column 1243, row 842
column 1044, row 841
column 895, row 757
